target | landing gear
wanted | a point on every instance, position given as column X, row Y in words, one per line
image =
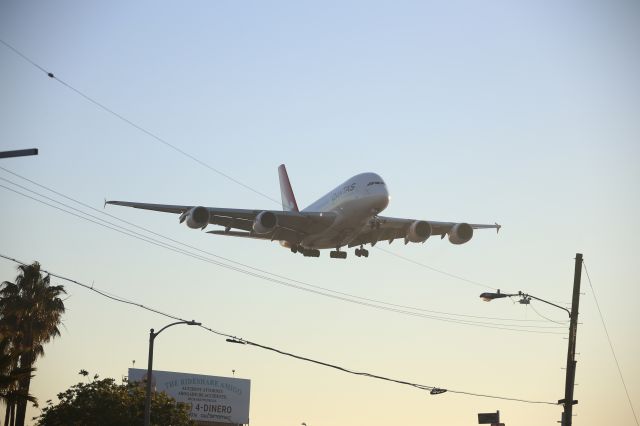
column 338, row 254
column 311, row 253
column 305, row 251
column 362, row 252
column 375, row 222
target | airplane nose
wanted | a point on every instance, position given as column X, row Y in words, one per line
column 385, row 201
column 381, row 200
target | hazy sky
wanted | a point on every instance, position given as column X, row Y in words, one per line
column 524, row 113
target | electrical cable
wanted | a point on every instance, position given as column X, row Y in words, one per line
column 136, row 126
column 251, row 267
column 134, row 234
column 415, row 262
column 613, row 352
column 159, row 139
column 143, row 238
column 548, row 319
column 281, row 352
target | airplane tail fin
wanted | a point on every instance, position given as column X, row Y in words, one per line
column 288, row 199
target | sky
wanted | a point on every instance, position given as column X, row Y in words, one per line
column 523, row 113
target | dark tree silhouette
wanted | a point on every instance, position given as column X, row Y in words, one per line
column 10, row 375
column 30, row 312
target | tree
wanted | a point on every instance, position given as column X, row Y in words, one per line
column 105, row 403
column 10, row 375
column 30, row 312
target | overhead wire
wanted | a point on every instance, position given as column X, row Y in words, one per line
column 249, row 266
column 197, row 160
column 157, row 138
column 340, row 296
column 440, row 271
column 546, row 318
column 613, row 352
column 137, row 126
column 235, row 339
column 508, row 327
column 186, row 154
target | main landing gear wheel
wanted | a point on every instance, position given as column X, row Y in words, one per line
column 311, row 253
column 362, row 252
column 338, row 254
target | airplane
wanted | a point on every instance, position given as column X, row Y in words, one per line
column 347, row 216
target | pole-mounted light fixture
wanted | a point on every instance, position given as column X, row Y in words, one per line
column 488, row 297
column 152, row 336
column 525, row 299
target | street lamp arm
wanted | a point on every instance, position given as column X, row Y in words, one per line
column 175, row 323
column 545, row 301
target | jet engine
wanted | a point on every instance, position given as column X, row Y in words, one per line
column 418, row 232
column 197, row 217
column 264, row 222
column 460, row 233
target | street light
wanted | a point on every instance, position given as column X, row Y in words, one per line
column 18, row 153
column 568, row 402
column 488, row 297
column 152, row 336
column 525, row 299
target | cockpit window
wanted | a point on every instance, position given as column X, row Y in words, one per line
column 375, row 183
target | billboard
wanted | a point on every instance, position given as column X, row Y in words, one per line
column 211, row 398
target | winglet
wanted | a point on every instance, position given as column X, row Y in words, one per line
column 105, row 204
column 498, row 227
column 288, row 199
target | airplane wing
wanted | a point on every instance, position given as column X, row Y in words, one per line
column 289, row 225
column 389, row 229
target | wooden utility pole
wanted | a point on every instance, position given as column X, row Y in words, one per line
column 571, row 351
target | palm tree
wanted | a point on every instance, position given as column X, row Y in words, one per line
column 10, row 375
column 30, row 310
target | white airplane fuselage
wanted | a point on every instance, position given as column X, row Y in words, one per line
column 355, row 203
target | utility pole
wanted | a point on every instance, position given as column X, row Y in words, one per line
column 571, row 351
column 147, row 399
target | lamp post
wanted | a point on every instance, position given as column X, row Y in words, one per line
column 152, row 336
column 568, row 401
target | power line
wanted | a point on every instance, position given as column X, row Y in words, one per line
column 394, row 307
column 186, row 154
column 415, row 262
column 248, row 266
column 136, row 126
column 340, row 296
column 16, row 51
column 542, row 316
column 610, row 344
column 281, row 352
